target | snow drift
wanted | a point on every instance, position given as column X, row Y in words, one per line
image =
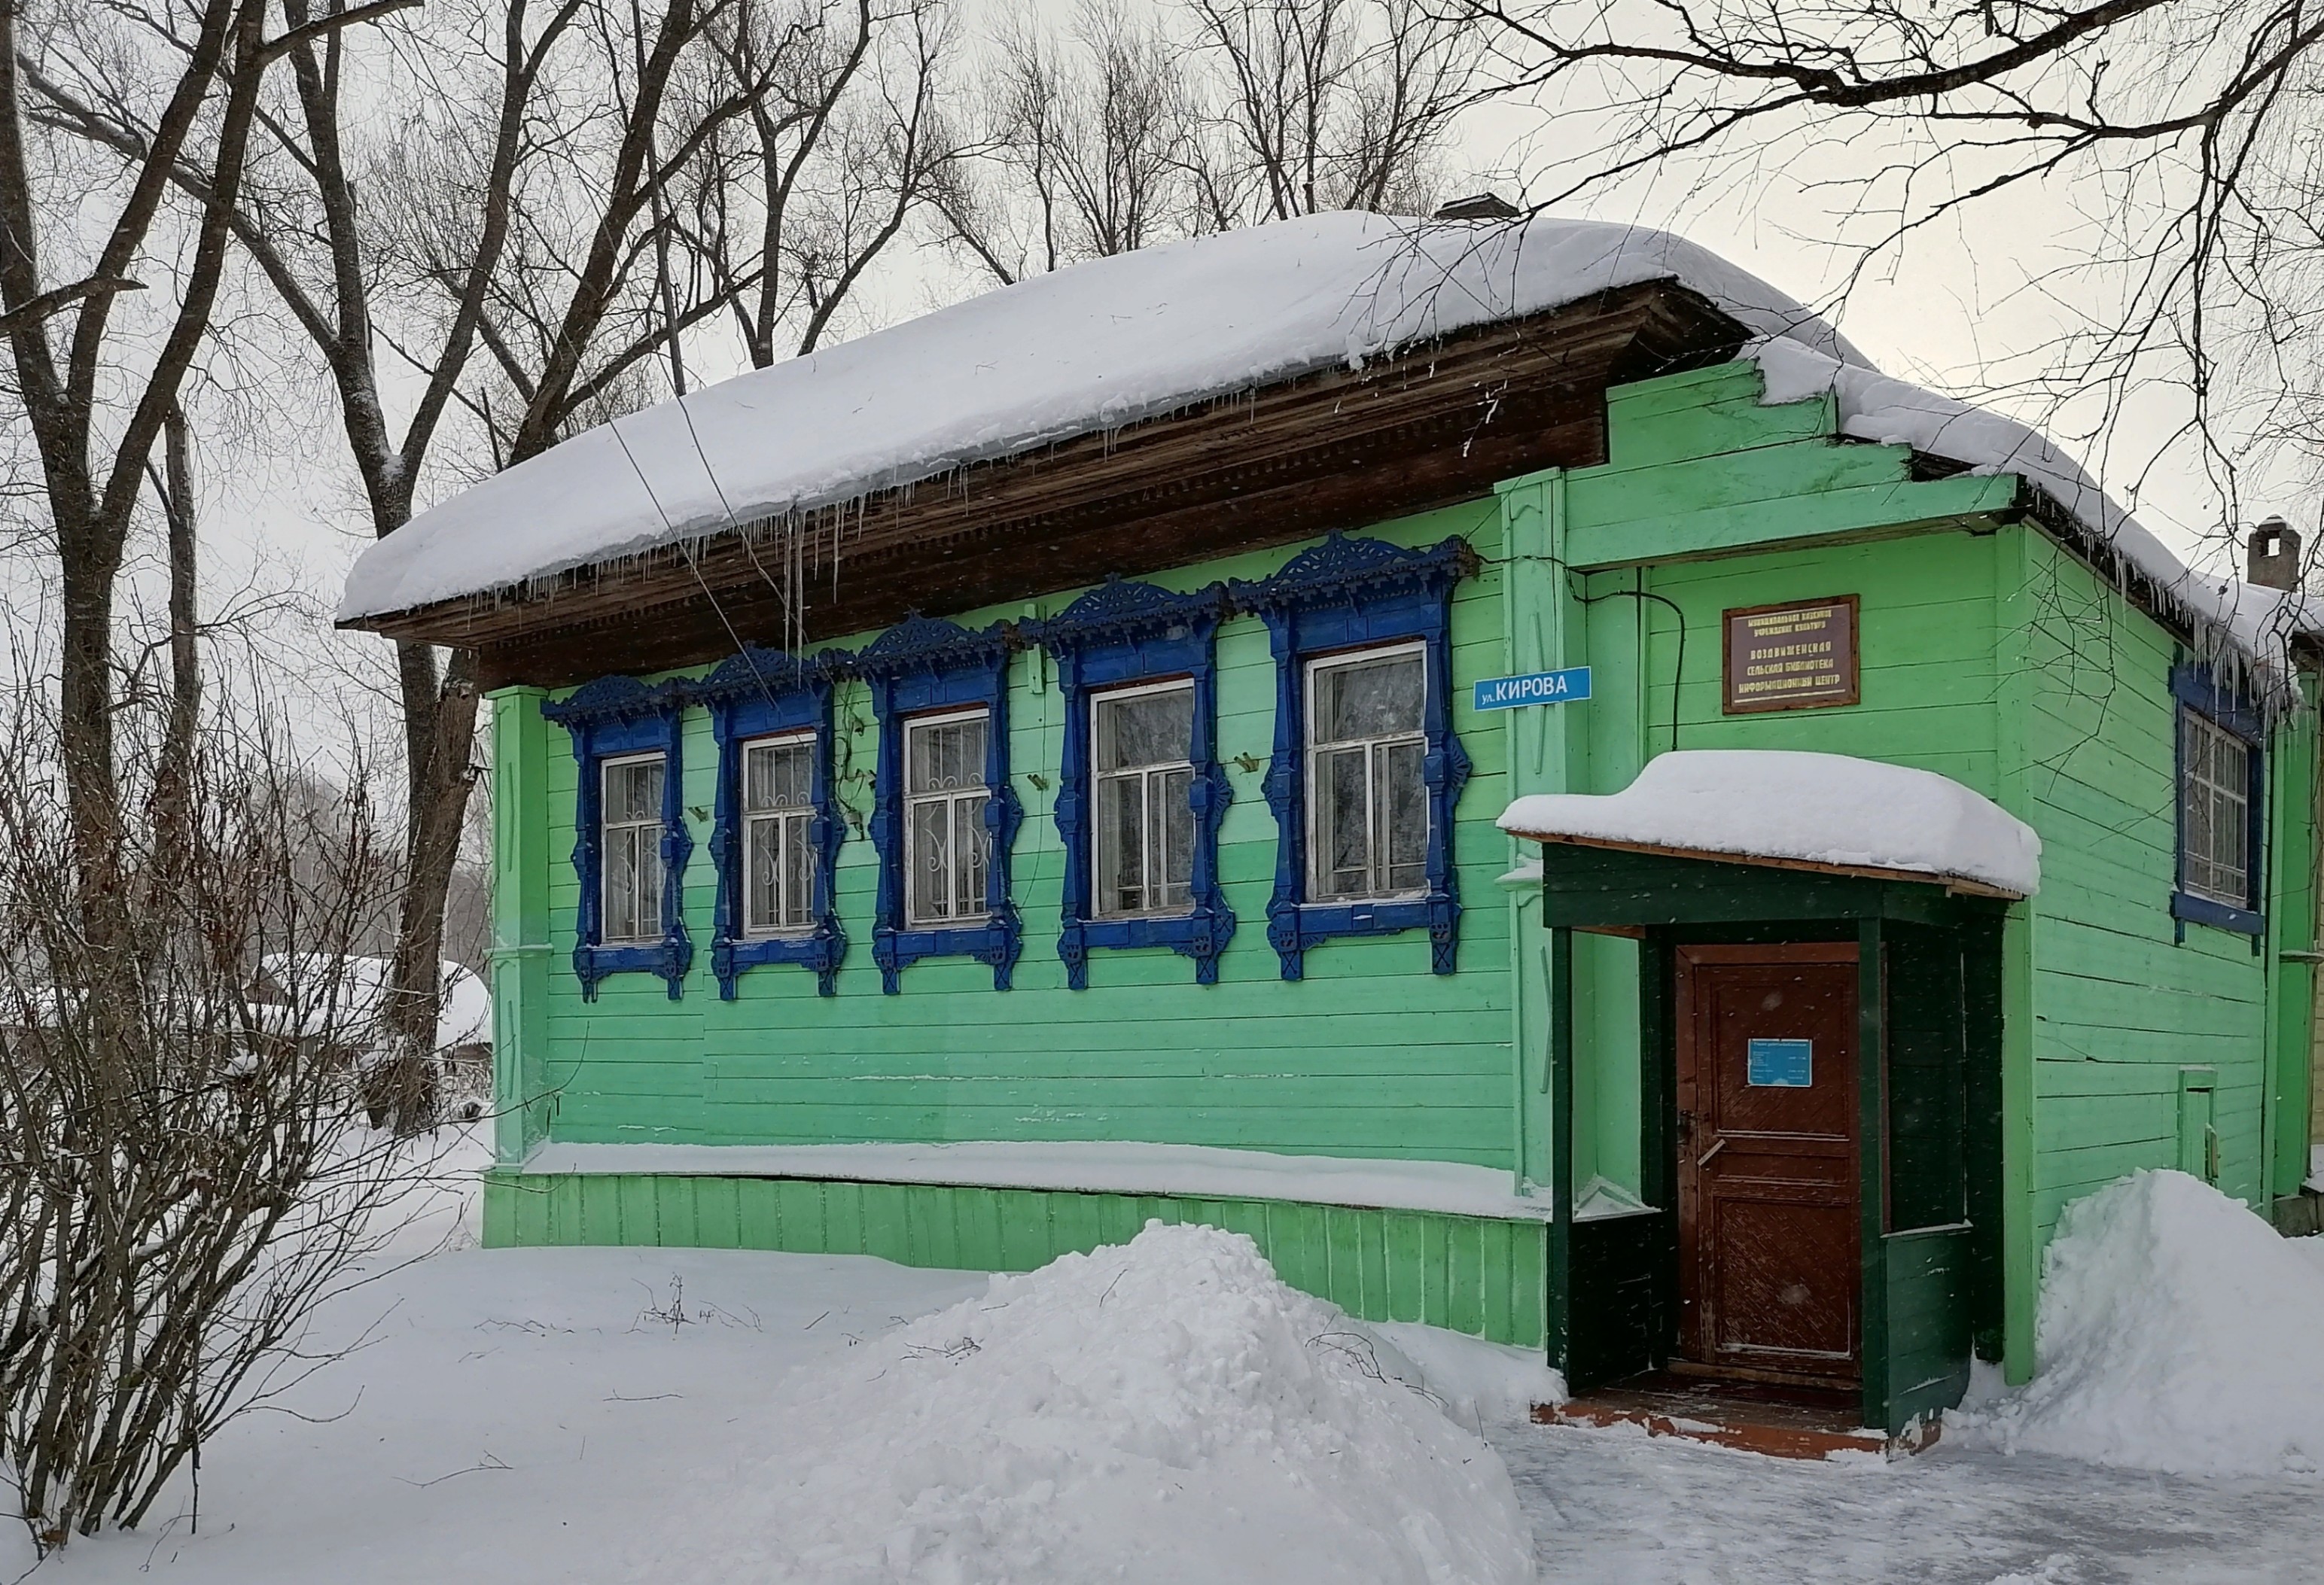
column 1162, row 1411
column 2177, row 1331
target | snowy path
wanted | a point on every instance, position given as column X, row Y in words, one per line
column 1619, row 1509
column 525, row 1418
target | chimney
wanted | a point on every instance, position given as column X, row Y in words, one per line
column 1478, row 206
column 2271, row 555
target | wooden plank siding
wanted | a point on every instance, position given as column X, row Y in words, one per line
column 1370, row 1054
column 1475, row 1275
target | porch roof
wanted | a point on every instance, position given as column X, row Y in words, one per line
column 1828, row 813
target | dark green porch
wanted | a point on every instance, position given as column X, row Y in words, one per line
column 1929, row 1093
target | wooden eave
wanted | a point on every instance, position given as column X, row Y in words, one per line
column 1434, row 425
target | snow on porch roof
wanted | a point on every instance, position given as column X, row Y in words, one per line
column 1829, row 811
column 1118, row 340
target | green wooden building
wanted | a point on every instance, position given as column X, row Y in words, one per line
column 1023, row 773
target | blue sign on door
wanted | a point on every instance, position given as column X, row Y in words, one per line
column 1780, row 1064
column 1569, row 687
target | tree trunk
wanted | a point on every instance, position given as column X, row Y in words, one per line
column 441, row 777
column 173, row 773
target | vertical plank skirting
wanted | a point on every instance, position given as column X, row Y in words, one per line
column 1467, row 1274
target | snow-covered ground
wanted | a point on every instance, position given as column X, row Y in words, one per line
column 1160, row 1413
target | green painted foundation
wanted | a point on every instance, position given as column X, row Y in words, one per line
column 1475, row 1275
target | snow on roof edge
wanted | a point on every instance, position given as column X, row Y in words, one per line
column 1117, row 341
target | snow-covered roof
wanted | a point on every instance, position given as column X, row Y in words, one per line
column 345, row 993
column 1830, row 810
column 1118, row 340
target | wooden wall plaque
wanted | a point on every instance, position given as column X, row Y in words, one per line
column 1796, row 656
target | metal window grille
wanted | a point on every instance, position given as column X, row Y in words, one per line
column 1143, row 777
column 1367, row 803
column 632, row 795
column 777, row 860
column 947, row 849
column 2214, row 811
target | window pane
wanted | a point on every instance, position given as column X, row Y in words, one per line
column 648, row 862
column 633, row 790
column 971, row 843
column 1367, row 698
column 1341, row 824
column 762, row 900
column 776, row 776
column 929, row 880
column 946, row 755
column 1145, row 729
column 798, row 895
column 1402, row 799
column 1120, row 882
column 620, row 884
column 1173, row 840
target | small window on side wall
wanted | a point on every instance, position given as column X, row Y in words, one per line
column 2220, row 802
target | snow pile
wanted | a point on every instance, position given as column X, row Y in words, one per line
column 2177, row 1331
column 1780, row 804
column 1075, row 352
column 1162, row 1411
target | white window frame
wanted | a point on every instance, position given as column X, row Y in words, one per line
column 649, row 929
column 752, row 823
column 913, row 725
column 2194, row 780
column 1101, row 885
column 1315, row 665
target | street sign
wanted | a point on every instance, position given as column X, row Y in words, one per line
column 1535, row 687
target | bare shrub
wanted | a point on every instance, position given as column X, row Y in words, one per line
column 183, row 1179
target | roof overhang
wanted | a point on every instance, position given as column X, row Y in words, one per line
column 1436, row 423
column 1954, row 885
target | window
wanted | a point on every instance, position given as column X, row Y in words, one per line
column 776, row 834
column 1367, row 805
column 944, row 816
column 630, row 841
column 1140, row 791
column 2221, row 860
column 2214, row 811
column 778, row 854
column 1144, row 776
column 1367, row 768
column 947, row 847
column 632, row 848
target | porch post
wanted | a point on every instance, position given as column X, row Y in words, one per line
column 1871, row 1151
column 1561, row 1127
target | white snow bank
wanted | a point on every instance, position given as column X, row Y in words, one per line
column 1815, row 808
column 2177, row 1331
column 1208, row 1172
column 1166, row 1410
column 1075, row 352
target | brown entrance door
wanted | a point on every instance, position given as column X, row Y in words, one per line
column 1769, row 1276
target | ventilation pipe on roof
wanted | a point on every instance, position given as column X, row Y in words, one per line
column 1478, row 206
column 2272, row 555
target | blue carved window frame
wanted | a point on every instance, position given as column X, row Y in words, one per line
column 609, row 718
column 921, row 665
column 2197, row 688
column 758, row 693
column 1348, row 593
column 1119, row 635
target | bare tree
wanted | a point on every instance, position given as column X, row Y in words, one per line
column 2192, row 126
column 1124, row 128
